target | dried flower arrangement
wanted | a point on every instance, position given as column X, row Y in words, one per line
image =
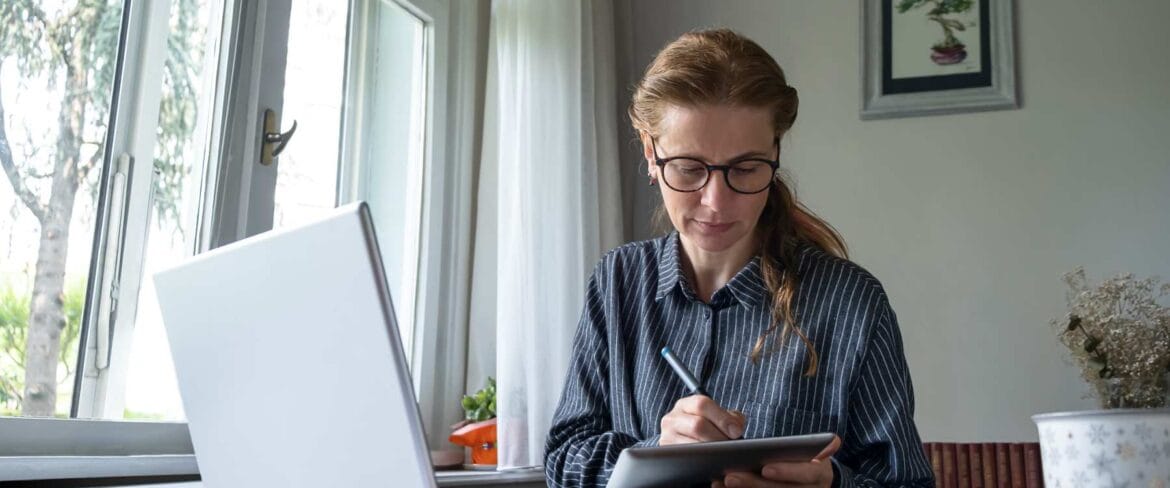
column 1119, row 335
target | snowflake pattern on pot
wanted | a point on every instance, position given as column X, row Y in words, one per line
column 1105, row 450
column 1097, row 434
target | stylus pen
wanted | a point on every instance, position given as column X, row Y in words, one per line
column 683, row 373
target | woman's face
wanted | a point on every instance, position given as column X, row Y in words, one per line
column 715, row 218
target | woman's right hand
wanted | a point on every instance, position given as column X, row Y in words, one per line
column 697, row 418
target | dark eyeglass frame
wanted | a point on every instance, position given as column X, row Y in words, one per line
column 725, row 168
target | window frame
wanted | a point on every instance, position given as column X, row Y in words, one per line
column 115, row 275
column 242, row 193
column 440, row 305
column 230, row 187
column 354, row 167
column 52, row 448
column 453, row 134
column 47, row 448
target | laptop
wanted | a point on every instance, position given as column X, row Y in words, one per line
column 289, row 360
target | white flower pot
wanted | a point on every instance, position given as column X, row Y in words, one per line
column 1105, row 448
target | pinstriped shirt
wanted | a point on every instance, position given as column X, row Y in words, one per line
column 638, row 300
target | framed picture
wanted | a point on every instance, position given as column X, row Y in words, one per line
column 928, row 57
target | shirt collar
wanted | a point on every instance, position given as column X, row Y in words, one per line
column 747, row 286
column 669, row 266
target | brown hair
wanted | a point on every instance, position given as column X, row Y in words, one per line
column 721, row 67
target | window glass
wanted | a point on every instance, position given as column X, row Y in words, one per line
column 306, row 182
column 180, row 166
column 57, row 64
column 389, row 135
column 382, row 99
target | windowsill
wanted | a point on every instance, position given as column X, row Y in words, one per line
column 26, row 468
column 59, row 449
column 479, row 478
column 30, row 468
column 74, row 449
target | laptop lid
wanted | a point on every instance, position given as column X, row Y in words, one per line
column 289, row 360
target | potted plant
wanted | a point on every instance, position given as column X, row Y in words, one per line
column 478, row 429
column 1118, row 333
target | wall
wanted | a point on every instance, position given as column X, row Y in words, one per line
column 969, row 220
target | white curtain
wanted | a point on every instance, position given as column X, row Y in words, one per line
column 549, row 201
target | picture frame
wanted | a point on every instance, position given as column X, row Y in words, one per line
column 932, row 57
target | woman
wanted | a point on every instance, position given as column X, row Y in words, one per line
column 751, row 290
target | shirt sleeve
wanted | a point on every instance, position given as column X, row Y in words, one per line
column 582, row 448
column 881, row 447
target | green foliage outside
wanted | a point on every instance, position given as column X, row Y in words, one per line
column 482, row 405
column 14, row 310
column 136, row 415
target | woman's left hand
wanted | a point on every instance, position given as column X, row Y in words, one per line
column 816, row 473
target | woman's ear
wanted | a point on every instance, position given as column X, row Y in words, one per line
column 648, row 153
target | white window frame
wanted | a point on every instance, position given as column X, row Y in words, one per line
column 355, row 167
column 244, row 190
column 440, row 304
column 125, row 213
column 236, row 194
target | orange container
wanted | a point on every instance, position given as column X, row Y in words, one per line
column 481, row 438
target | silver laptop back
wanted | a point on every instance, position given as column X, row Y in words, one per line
column 289, row 360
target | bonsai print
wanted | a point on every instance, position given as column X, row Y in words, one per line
column 950, row 50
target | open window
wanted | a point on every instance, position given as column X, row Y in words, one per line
column 151, row 152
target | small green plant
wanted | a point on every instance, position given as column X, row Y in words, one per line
column 482, row 405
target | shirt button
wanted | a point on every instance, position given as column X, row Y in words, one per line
column 707, row 314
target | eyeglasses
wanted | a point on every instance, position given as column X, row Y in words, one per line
column 747, row 176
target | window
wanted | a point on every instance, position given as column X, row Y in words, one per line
column 56, row 92
column 385, row 134
column 361, row 129
column 180, row 169
column 367, row 114
column 126, row 189
column 152, row 160
column 306, row 184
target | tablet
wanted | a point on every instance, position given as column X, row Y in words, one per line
column 700, row 463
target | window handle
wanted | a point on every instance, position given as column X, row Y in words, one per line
column 110, row 273
column 274, row 141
